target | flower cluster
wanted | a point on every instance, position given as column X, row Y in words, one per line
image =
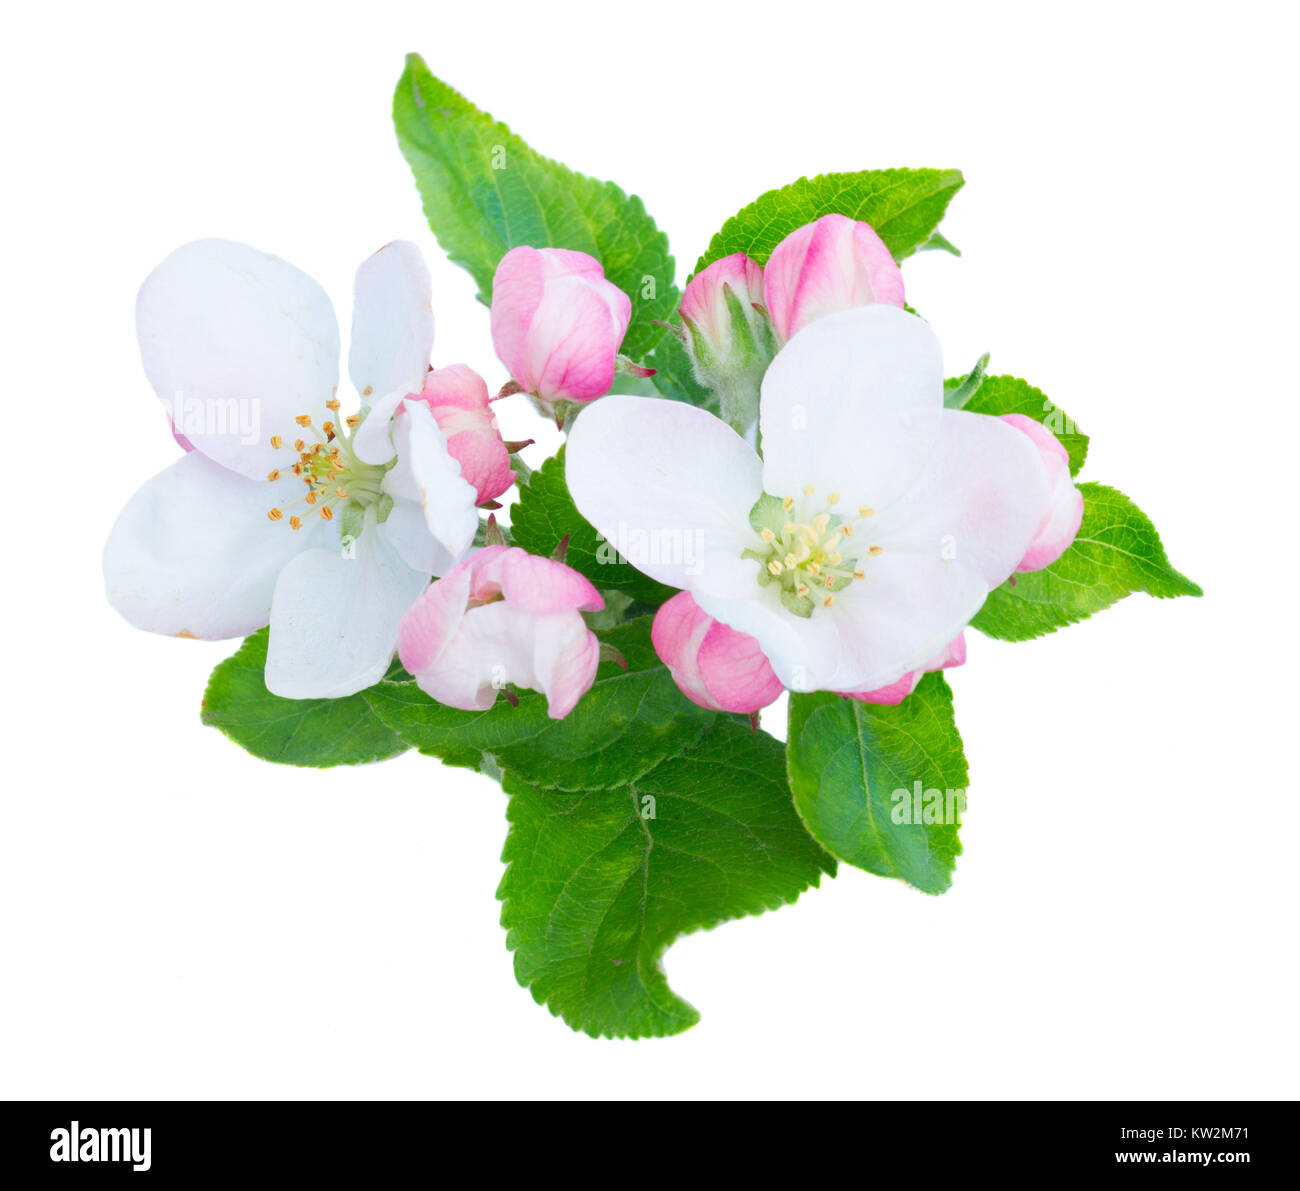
column 847, row 525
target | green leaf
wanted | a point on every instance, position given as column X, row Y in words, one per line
column 486, row 192
column 627, row 723
column 847, row 761
column 938, row 242
column 904, row 206
column 545, row 513
column 998, row 395
column 1117, row 552
column 598, row 884
column 317, row 732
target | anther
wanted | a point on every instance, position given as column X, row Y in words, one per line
column 859, row 573
column 327, row 513
column 299, row 445
column 801, row 590
column 788, row 503
column 328, row 427
column 275, row 514
column 768, row 536
column 808, row 489
column 846, row 530
column 833, row 499
column 273, row 474
column 866, row 511
column 828, row 601
column 353, row 421
column 303, row 419
column 295, row 522
column 775, row 567
column 876, row 550
column 276, row 442
column 333, row 403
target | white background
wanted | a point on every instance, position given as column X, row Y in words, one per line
column 178, row 919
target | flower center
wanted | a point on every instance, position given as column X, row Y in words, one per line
column 812, row 555
column 337, row 482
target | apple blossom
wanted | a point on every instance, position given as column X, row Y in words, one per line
column 728, row 335
column 868, row 534
column 284, row 510
column 1065, row 514
column 557, row 324
column 952, row 654
column 503, row 617
column 834, row 263
column 714, row 665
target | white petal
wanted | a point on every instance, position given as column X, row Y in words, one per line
column 334, row 618
column 237, row 344
column 903, row 613
column 193, row 555
column 428, row 475
column 409, row 535
column 392, row 323
column 851, row 405
column 666, row 483
column 979, row 501
column 373, row 440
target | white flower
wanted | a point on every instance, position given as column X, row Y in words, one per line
column 868, row 534
column 243, row 350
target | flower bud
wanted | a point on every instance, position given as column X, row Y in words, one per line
column 458, row 398
column 1065, row 512
column 834, row 263
column 501, row 618
column 557, row 324
column 728, row 335
column 713, row 664
column 952, row 654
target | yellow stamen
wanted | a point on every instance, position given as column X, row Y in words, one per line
column 866, row 511
column 801, row 590
column 299, row 445
column 833, row 499
column 303, row 419
column 791, row 561
column 328, row 427
column 353, row 421
column 788, row 503
column 821, row 521
column 768, row 536
column 859, row 573
column 834, row 559
column 830, row 581
column 275, row 514
column 273, row 474
column 775, row 567
column 828, row 601
column 808, row 490
column 311, row 497
column 295, row 522
column 343, row 495
column 276, row 442
column 332, row 403
column 327, row 513
column 876, row 550
column 846, row 530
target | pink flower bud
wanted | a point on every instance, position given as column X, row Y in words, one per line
column 714, row 665
column 728, row 336
column 557, row 324
column 458, row 399
column 952, row 654
column 503, row 617
column 1065, row 513
column 832, row 264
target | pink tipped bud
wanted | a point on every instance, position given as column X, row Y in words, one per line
column 831, row 264
column 713, row 664
column 728, row 335
column 458, row 399
column 557, row 324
